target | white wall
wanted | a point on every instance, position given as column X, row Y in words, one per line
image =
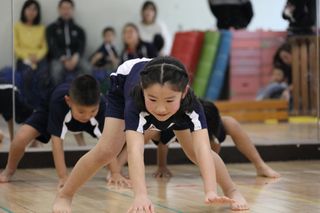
column 94, row 15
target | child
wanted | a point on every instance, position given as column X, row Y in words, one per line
column 149, row 95
column 277, row 88
column 74, row 107
column 106, row 56
column 22, row 110
column 218, row 128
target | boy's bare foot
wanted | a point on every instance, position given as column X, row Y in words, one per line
column 240, row 203
column 36, row 144
column 62, row 204
column 1, row 136
column 5, row 176
column 266, row 171
column 162, row 172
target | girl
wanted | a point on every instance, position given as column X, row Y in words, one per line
column 146, row 96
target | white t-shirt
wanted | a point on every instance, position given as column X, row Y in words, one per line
column 147, row 33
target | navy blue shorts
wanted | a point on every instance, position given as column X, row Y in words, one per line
column 168, row 136
column 115, row 97
column 39, row 121
column 6, row 105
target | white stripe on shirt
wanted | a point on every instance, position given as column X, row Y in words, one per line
column 195, row 120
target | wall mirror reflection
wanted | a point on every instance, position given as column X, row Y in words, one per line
column 263, row 72
column 6, row 76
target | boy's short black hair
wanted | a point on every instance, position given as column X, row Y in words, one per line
column 66, row 1
column 85, row 91
column 108, row 29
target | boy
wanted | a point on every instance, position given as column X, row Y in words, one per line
column 106, row 56
column 74, row 107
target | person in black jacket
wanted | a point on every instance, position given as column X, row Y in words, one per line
column 66, row 41
column 301, row 15
column 235, row 14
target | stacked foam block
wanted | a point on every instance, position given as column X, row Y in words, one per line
column 250, row 65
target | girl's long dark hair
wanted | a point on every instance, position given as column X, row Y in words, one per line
column 163, row 70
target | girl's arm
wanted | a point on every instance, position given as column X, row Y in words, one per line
column 135, row 146
column 202, row 150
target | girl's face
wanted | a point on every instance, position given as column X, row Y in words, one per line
column 148, row 15
column 130, row 35
column 161, row 101
column 31, row 13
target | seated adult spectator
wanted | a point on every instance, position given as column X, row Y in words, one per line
column 235, row 14
column 30, row 49
column 301, row 15
column 134, row 47
column 66, row 41
column 154, row 31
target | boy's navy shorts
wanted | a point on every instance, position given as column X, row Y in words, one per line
column 39, row 121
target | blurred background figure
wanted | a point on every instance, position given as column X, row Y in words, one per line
column 154, row 31
column 66, row 41
column 301, row 15
column 134, row 47
column 30, row 49
column 235, row 14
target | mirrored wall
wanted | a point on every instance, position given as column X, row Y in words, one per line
column 94, row 16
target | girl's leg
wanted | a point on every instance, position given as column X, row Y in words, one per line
column 223, row 177
column 246, row 147
column 106, row 150
column 17, row 148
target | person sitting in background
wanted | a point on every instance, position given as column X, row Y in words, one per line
column 154, row 31
column 134, row 47
column 301, row 15
column 106, row 56
column 281, row 80
column 105, row 59
column 235, row 14
column 66, row 42
column 30, row 48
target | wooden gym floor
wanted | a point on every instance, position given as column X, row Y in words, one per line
column 298, row 190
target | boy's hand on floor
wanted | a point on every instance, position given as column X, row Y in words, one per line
column 162, row 172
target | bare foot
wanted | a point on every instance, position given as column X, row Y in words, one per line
column 35, row 144
column 240, row 203
column 62, row 204
column 1, row 136
column 5, row 176
column 266, row 171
